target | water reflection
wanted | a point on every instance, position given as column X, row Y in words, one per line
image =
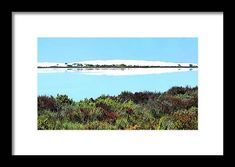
column 116, row 71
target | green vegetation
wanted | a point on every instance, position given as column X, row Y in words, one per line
column 175, row 109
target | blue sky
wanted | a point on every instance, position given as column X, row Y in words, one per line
column 179, row 50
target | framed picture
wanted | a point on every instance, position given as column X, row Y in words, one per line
column 118, row 83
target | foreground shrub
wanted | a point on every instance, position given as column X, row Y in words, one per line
column 72, row 126
column 122, row 123
column 180, row 120
column 99, row 125
column 186, row 119
column 167, row 123
column 48, row 120
column 172, row 110
column 141, row 118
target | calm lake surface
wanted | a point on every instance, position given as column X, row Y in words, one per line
column 91, row 83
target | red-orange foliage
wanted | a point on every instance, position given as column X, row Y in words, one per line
column 110, row 116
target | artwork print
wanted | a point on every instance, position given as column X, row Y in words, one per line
column 117, row 83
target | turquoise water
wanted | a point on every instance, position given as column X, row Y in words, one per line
column 79, row 85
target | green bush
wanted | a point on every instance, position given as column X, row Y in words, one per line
column 85, row 115
column 63, row 100
column 71, row 113
column 122, row 123
column 153, row 107
column 72, row 126
column 167, row 123
column 181, row 120
column 48, row 120
column 176, row 90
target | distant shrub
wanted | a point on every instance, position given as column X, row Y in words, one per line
column 108, row 104
column 137, row 97
column 141, row 97
column 47, row 103
column 125, row 96
column 86, row 104
column 176, row 90
column 53, row 104
column 106, row 97
column 63, row 100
